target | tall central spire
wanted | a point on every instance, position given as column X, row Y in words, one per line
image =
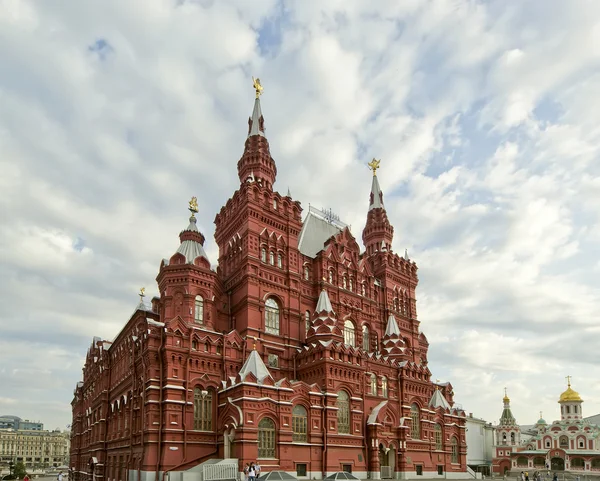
column 378, row 232
column 256, row 163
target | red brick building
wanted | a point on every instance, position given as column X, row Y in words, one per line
column 299, row 351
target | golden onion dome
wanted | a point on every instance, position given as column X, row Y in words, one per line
column 570, row 396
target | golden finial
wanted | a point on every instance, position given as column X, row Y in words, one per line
column 142, row 293
column 568, row 378
column 505, row 393
column 374, row 165
column 254, row 347
column 193, row 206
column 257, row 86
column 541, row 415
column 437, row 382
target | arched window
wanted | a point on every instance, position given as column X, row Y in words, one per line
column 299, row 424
column 415, row 430
column 366, row 341
column 271, row 316
column 396, row 304
column 344, row 282
column 343, row 414
column 563, row 442
column 275, row 204
column 351, row 284
column 384, row 387
column 202, row 410
column 272, row 258
column 349, row 335
column 512, row 438
column 373, row 384
column 279, row 261
column 266, row 438
column 307, row 322
column 263, row 254
column 364, row 289
column 504, row 438
column 439, row 446
column 330, row 276
column 454, row 452
column 199, row 310
column 306, row 273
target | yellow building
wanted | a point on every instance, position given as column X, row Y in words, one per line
column 36, row 449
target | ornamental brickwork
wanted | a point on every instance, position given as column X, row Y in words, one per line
column 298, row 350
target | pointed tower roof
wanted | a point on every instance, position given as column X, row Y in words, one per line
column 192, row 240
column 507, row 418
column 324, row 304
column 256, row 163
column 255, row 365
column 438, row 400
column 392, row 328
column 376, row 199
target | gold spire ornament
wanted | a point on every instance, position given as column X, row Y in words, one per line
column 568, row 378
column 142, row 293
column 374, row 165
column 193, row 206
column 257, row 86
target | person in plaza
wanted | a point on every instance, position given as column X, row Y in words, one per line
column 26, row 477
column 555, row 477
column 59, row 477
column 246, row 471
column 526, row 475
column 251, row 473
column 257, row 468
column 522, row 476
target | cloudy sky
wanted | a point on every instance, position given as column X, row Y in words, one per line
column 484, row 113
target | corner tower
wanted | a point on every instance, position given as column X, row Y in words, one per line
column 508, row 432
column 570, row 404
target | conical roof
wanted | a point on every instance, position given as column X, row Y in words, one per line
column 192, row 241
column 392, row 328
column 439, row 401
column 324, row 304
column 255, row 365
column 376, row 200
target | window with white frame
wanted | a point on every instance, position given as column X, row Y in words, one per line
column 349, row 334
column 199, row 310
column 365, row 339
column 271, row 316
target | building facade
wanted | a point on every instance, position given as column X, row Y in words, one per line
column 480, row 445
column 298, row 350
column 569, row 444
column 36, row 449
column 15, row 422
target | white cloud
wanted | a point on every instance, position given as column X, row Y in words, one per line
column 113, row 115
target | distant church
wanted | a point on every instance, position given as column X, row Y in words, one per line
column 569, row 444
column 299, row 351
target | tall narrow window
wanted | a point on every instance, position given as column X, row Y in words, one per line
column 384, row 387
column 274, row 203
column 266, row 438
column 272, row 258
column 271, row 316
column 279, row 261
column 351, row 284
column 438, row 438
column 202, row 410
column 373, row 384
column 299, row 423
column 454, row 455
column 396, row 304
column 415, row 430
column 343, row 414
column 366, row 341
column 306, row 322
column 330, row 276
column 306, row 273
column 263, row 254
column 199, row 310
column 349, row 335
column 364, row 289
column 344, row 282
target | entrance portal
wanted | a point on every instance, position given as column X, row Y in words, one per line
column 557, row 464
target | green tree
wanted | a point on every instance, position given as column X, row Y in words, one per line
column 20, row 471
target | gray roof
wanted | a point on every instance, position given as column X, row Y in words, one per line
column 191, row 249
column 593, row 419
column 255, row 119
column 438, row 400
column 373, row 416
column 376, row 195
column 315, row 231
column 324, row 304
column 392, row 327
column 255, row 365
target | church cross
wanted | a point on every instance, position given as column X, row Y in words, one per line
column 568, row 378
